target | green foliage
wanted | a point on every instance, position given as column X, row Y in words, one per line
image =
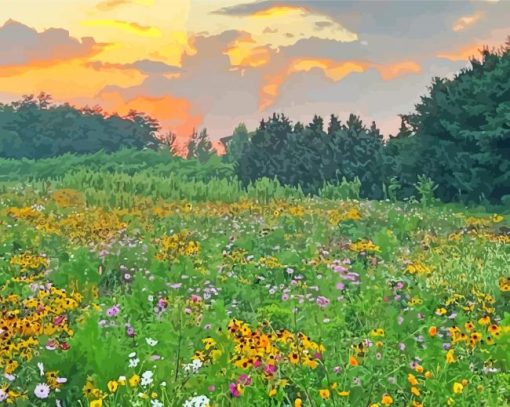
column 426, row 188
column 236, row 144
column 126, row 161
column 35, row 128
column 344, row 190
column 121, row 189
column 391, row 190
column 200, row 147
column 461, row 138
column 311, row 158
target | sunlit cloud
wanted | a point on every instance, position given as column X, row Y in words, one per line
column 245, row 52
column 67, row 80
column 145, row 66
column 107, row 5
column 111, row 4
column 333, row 70
column 22, row 47
column 464, row 22
column 392, row 71
column 172, row 112
column 279, row 11
column 131, row 27
column 462, row 54
column 277, row 24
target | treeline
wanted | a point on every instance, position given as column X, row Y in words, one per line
column 456, row 144
column 35, row 128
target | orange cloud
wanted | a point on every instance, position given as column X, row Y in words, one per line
column 334, row 70
column 112, row 4
column 389, row 72
column 463, row 54
column 244, row 52
column 174, row 114
column 66, row 80
column 133, row 28
column 27, row 48
column 279, row 11
column 463, row 22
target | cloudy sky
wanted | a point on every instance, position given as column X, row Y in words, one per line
column 216, row 63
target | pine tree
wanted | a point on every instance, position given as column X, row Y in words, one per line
column 200, row 146
column 334, row 125
column 236, row 144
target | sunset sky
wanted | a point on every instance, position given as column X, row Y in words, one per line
column 216, row 63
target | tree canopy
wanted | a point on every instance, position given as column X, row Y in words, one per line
column 34, row 127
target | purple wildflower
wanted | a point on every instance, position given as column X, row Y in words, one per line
column 113, row 311
column 322, row 301
column 130, row 331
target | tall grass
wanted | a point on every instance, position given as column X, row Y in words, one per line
column 117, row 179
column 112, row 190
column 125, row 161
column 116, row 189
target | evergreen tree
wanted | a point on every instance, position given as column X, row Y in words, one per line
column 334, row 125
column 462, row 130
column 298, row 127
column 236, row 144
column 200, row 146
column 404, row 130
column 265, row 154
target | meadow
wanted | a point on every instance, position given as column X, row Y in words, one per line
column 143, row 290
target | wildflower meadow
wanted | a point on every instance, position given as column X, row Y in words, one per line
column 254, row 203
column 284, row 301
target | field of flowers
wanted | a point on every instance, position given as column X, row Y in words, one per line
column 295, row 302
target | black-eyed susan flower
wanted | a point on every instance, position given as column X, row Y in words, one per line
column 134, row 380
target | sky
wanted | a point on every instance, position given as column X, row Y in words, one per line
column 217, row 63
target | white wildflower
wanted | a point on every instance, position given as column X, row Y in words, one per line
column 193, row 367
column 147, row 378
column 197, row 401
column 42, row 391
column 10, row 377
column 151, row 342
column 134, row 362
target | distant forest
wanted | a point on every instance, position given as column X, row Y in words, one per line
column 456, row 142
